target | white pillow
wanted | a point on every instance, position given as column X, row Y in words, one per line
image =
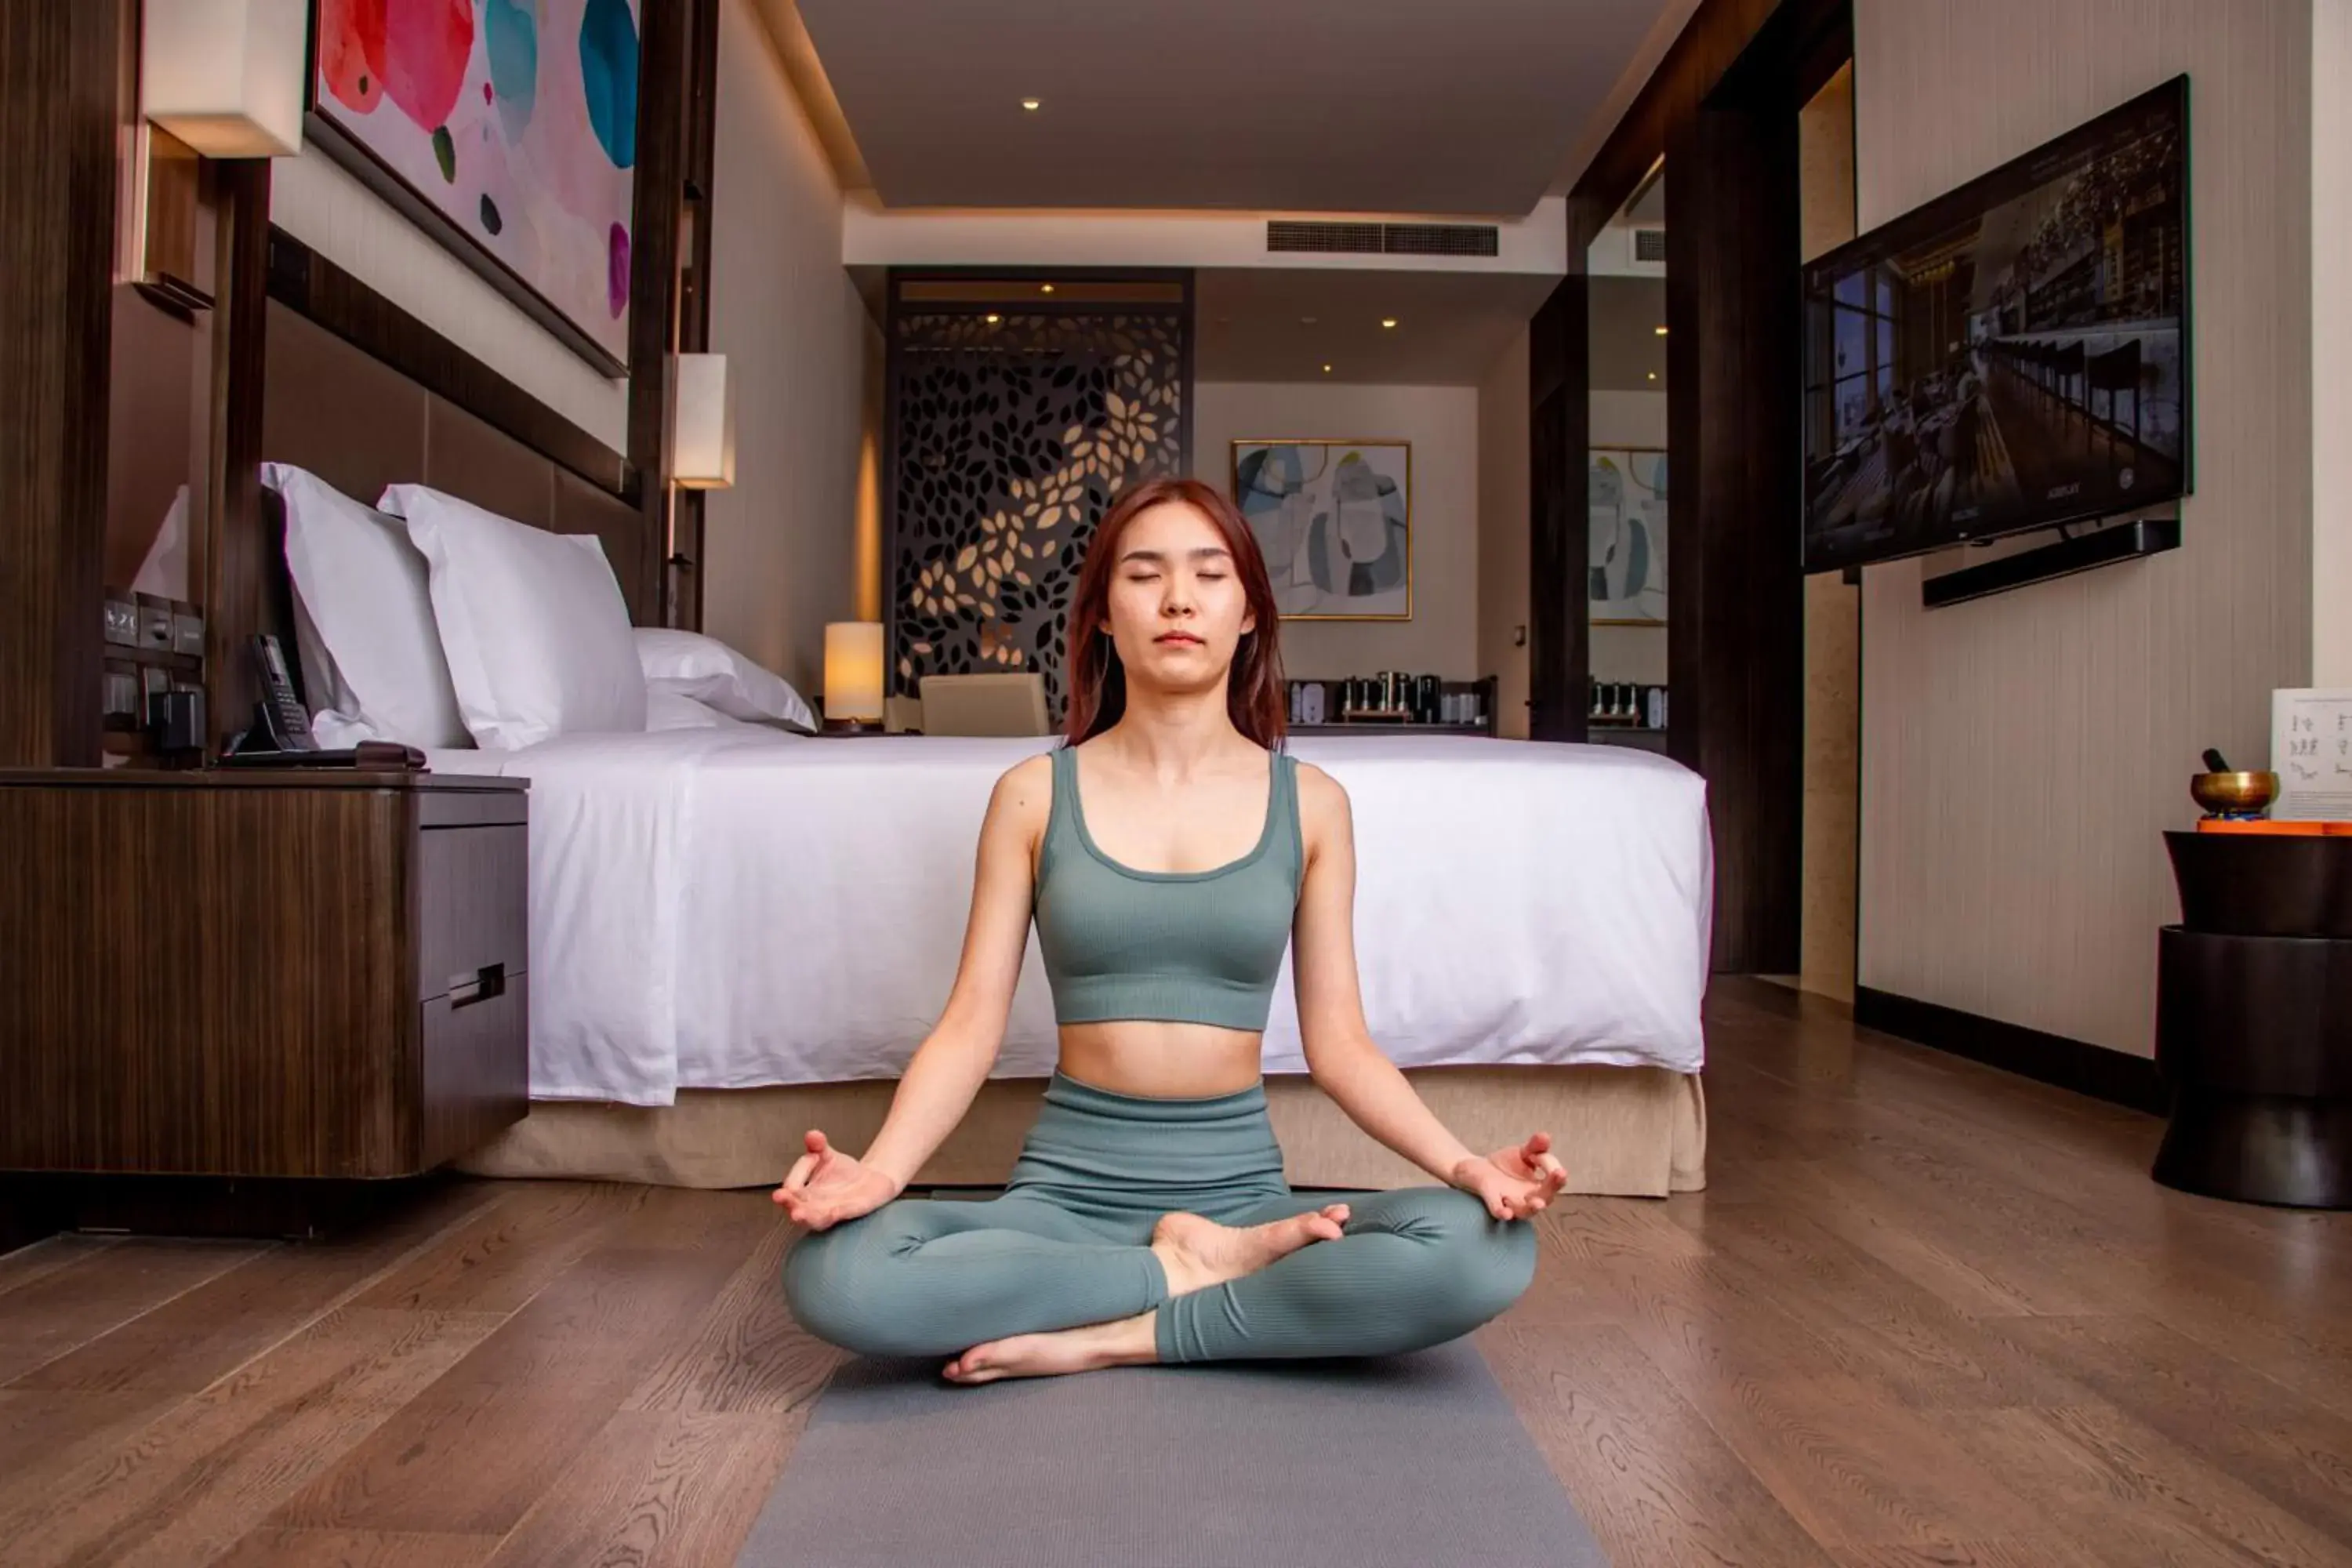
column 676, row 710
column 710, row 672
column 533, row 623
column 363, row 617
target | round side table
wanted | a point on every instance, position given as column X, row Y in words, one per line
column 2253, row 1025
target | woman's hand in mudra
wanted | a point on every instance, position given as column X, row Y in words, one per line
column 827, row 1187
column 1517, row 1182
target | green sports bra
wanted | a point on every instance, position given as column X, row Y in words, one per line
column 1191, row 947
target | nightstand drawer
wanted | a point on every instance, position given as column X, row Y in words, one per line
column 476, row 1068
column 473, row 899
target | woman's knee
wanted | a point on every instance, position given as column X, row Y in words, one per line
column 1475, row 1264
column 835, row 1284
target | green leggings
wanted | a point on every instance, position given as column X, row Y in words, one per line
column 1068, row 1245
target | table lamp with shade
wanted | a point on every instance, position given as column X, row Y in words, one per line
column 853, row 678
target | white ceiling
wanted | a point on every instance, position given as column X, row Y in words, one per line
column 1450, row 326
column 1366, row 106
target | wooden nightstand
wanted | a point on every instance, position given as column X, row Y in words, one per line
column 294, row 974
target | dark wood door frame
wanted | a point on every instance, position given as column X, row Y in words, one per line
column 1722, row 110
column 670, row 292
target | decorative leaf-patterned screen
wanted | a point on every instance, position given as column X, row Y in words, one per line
column 1012, row 435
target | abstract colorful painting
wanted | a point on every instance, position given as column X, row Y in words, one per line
column 1626, row 491
column 507, row 126
column 1335, row 521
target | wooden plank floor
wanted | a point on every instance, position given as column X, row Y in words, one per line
column 1925, row 1314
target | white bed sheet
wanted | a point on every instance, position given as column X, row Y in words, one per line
column 729, row 907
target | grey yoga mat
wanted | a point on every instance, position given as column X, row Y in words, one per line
column 1417, row 1461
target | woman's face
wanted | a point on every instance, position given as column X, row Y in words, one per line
column 1177, row 610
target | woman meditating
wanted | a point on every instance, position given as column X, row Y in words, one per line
column 1167, row 854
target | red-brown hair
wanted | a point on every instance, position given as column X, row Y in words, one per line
column 1254, row 695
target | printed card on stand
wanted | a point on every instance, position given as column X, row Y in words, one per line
column 2310, row 752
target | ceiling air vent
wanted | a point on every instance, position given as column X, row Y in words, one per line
column 1439, row 239
column 1650, row 245
column 1283, row 235
column 1384, row 238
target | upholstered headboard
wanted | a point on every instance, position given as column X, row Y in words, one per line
column 364, row 395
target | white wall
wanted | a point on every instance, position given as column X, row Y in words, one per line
column 1502, row 530
column 2023, row 753
column 2331, row 340
column 780, row 548
column 1630, row 653
column 313, row 199
column 1441, row 423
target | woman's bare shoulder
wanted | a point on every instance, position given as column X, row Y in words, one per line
column 1025, row 792
column 1319, row 789
column 1322, row 805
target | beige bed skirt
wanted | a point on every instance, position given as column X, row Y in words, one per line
column 1622, row 1131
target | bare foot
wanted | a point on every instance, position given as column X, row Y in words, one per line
column 1198, row 1253
column 1127, row 1343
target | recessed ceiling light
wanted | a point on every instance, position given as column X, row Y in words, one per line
column 1045, row 287
column 1306, row 321
column 1388, row 320
column 1030, row 104
column 1654, row 375
column 992, row 318
column 1326, row 370
column 1662, row 331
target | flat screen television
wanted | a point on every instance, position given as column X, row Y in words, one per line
column 2012, row 355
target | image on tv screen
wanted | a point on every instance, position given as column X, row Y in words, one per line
column 2008, row 357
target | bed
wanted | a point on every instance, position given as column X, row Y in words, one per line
column 737, row 933
column 730, row 924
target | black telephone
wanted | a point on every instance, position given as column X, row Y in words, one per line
column 280, row 723
column 280, row 736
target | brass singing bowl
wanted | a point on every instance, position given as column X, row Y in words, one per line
column 2234, row 792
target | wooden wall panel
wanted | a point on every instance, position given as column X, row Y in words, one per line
column 669, row 303
column 2023, row 753
column 1722, row 110
column 243, row 566
column 59, row 99
column 1734, row 638
column 1559, row 402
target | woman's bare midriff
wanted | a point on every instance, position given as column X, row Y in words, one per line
column 1160, row 1061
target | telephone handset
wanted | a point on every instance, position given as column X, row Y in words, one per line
column 280, row 736
column 280, row 721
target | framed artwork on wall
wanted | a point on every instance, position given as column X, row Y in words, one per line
column 1335, row 521
column 507, row 130
column 1626, row 487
